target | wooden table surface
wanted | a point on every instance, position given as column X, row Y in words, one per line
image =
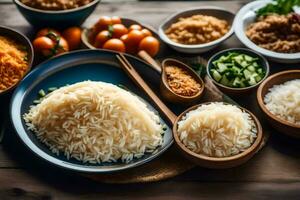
column 274, row 173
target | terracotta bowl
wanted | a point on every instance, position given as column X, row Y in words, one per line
column 214, row 162
column 277, row 123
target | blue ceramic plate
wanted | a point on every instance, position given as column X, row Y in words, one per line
column 95, row 65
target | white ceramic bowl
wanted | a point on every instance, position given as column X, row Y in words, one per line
column 200, row 48
column 244, row 18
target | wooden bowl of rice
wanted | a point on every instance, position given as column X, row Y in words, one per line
column 215, row 162
column 278, row 123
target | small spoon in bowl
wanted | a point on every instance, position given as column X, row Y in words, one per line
column 165, row 89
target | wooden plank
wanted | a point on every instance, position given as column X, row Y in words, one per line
column 277, row 162
column 17, row 184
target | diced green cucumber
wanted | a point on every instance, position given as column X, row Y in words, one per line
column 252, row 80
column 258, row 78
column 255, row 64
column 244, row 64
column 222, row 67
column 251, row 68
column 216, row 75
column 247, row 74
column 236, row 82
column 224, row 81
column 248, row 58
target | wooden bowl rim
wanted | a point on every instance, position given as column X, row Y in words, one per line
column 261, row 101
column 253, row 148
column 261, row 57
column 30, row 52
column 193, row 73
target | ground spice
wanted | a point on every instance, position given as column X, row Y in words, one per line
column 181, row 82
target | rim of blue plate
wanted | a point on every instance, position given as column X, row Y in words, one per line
column 16, row 118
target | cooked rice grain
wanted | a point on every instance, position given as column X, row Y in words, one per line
column 217, row 130
column 95, row 122
column 284, row 101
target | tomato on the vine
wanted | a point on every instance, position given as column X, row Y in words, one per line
column 44, row 45
column 103, row 23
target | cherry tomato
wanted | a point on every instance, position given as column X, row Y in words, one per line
column 47, row 31
column 118, row 30
column 116, row 20
column 150, row 45
column 130, row 47
column 103, row 23
column 134, row 38
column 73, row 37
column 62, row 46
column 101, row 38
column 135, row 27
column 146, row 32
column 43, row 45
column 115, row 45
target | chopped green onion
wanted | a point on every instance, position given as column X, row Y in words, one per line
column 51, row 89
column 42, row 93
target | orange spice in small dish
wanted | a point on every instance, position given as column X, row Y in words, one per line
column 180, row 82
column 13, row 63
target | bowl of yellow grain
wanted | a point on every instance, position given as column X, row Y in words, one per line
column 16, row 57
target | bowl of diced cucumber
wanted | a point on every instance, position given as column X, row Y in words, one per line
column 237, row 70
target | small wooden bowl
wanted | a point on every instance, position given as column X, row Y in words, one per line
column 167, row 92
column 20, row 39
column 279, row 124
column 214, row 162
column 238, row 91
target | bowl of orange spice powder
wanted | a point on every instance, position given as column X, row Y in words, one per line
column 180, row 83
column 16, row 57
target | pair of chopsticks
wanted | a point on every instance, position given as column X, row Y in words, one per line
column 133, row 74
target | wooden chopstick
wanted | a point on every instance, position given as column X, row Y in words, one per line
column 133, row 74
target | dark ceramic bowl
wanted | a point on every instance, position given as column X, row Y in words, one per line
column 20, row 39
column 57, row 19
column 238, row 91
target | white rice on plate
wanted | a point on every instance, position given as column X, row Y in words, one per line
column 217, row 130
column 283, row 101
column 95, row 122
